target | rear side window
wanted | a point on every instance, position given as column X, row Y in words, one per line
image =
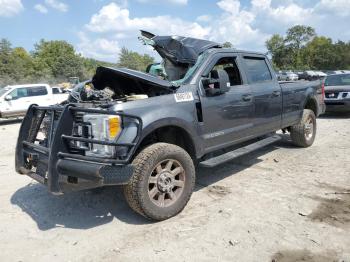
column 37, row 91
column 257, row 69
column 55, row 91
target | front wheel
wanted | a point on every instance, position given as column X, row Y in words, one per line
column 303, row 134
column 162, row 182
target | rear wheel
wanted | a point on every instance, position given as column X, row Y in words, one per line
column 162, row 182
column 303, row 134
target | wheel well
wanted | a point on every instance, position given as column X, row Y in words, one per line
column 312, row 105
column 172, row 135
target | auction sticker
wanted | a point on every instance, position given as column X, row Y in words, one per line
column 183, row 97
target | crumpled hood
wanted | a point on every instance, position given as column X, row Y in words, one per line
column 179, row 49
column 127, row 81
column 105, row 76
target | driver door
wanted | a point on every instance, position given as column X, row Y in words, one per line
column 227, row 117
column 19, row 103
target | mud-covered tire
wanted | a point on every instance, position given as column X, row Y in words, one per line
column 148, row 168
column 303, row 134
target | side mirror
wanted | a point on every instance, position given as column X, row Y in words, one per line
column 8, row 98
column 219, row 83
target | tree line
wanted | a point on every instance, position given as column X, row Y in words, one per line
column 302, row 49
column 55, row 62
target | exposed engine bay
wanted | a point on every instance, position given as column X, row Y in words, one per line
column 109, row 84
column 179, row 55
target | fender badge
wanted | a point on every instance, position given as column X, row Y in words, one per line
column 183, row 97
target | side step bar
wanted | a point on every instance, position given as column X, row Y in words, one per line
column 212, row 162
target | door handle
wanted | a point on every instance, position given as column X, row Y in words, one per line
column 276, row 93
column 247, row 97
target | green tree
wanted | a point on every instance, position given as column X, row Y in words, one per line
column 288, row 52
column 90, row 66
column 277, row 49
column 59, row 59
column 299, row 35
column 227, row 45
column 342, row 54
column 319, row 53
column 22, row 64
column 134, row 60
column 5, row 59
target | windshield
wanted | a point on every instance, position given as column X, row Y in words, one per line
column 190, row 72
column 338, row 80
column 3, row 90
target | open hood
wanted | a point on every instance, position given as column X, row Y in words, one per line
column 179, row 49
column 126, row 81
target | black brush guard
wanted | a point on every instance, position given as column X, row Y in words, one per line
column 62, row 167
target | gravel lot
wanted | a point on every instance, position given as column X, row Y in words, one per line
column 281, row 203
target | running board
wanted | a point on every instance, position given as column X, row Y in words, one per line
column 212, row 162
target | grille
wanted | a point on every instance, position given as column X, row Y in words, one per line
column 332, row 94
column 43, row 127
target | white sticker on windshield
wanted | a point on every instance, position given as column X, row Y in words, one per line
column 183, row 97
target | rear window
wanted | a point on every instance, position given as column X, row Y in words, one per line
column 257, row 69
column 338, row 80
column 37, row 91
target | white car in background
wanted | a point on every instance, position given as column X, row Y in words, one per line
column 320, row 74
column 15, row 100
column 288, row 76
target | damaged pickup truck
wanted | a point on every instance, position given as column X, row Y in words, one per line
column 206, row 105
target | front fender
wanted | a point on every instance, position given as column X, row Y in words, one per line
column 163, row 111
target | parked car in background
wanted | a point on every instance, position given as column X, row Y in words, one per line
column 288, row 76
column 337, row 93
column 15, row 100
column 300, row 74
column 334, row 72
column 309, row 75
column 320, row 74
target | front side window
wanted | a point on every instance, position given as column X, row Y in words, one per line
column 19, row 93
column 229, row 65
column 257, row 69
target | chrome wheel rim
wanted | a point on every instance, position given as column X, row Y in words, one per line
column 309, row 128
column 166, row 183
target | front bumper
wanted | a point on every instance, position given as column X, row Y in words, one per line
column 339, row 105
column 63, row 168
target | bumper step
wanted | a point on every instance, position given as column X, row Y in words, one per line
column 218, row 160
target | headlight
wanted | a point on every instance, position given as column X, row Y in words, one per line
column 104, row 128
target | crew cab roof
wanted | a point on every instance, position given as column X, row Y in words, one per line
column 26, row 85
column 180, row 49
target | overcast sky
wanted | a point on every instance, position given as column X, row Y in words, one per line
column 99, row 28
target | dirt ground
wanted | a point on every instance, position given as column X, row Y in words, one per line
column 279, row 204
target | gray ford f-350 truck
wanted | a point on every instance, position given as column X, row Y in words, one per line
column 148, row 132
